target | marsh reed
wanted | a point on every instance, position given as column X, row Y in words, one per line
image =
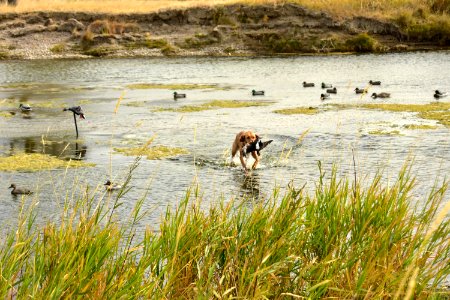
column 346, row 240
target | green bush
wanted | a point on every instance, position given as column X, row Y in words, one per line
column 362, row 43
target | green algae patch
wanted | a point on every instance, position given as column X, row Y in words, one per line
column 382, row 132
column 145, row 86
column 437, row 106
column 298, row 110
column 216, row 104
column 37, row 162
column 418, row 127
column 443, row 117
column 152, row 153
column 5, row 114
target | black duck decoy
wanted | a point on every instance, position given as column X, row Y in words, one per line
column 381, row 95
column 326, row 85
column 178, row 95
column 257, row 93
column 375, row 82
column 257, row 146
column 359, row 91
column 439, row 94
column 332, row 91
column 324, row 96
column 308, row 84
column 112, row 186
column 16, row 191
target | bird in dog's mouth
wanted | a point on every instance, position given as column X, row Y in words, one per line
column 257, row 146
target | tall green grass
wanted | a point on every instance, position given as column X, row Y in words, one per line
column 345, row 240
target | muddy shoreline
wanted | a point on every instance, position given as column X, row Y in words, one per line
column 235, row 30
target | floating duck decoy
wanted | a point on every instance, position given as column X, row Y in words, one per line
column 308, row 84
column 439, row 94
column 77, row 110
column 332, row 91
column 178, row 95
column 381, row 95
column 326, row 85
column 25, row 107
column 257, row 93
column 375, row 82
column 324, row 96
column 16, row 191
column 112, row 186
column 360, row 91
column 257, row 146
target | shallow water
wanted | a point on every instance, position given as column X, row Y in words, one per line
column 332, row 136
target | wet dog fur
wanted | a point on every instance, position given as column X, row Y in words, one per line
column 242, row 139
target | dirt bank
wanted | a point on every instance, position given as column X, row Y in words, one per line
column 219, row 31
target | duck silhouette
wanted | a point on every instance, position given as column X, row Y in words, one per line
column 308, row 84
column 374, row 82
column 324, row 96
column 332, row 91
column 16, row 191
column 112, row 186
column 25, row 108
column 76, row 110
column 326, row 85
column 178, row 95
column 257, row 93
column 439, row 94
column 381, row 95
column 257, row 146
column 359, row 91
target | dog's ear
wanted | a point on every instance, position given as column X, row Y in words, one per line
column 242, row 139
column 257, row 137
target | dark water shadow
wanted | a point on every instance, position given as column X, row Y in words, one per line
column 62, row 148
column 249, row 185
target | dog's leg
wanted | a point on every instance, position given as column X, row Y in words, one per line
column 256, row 157
column 241, row 157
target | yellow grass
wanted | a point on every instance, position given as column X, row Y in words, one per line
column 337, row 7
column 37, row 162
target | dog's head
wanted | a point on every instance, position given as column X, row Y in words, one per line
column 248, row 137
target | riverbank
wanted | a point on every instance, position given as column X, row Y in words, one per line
column 232, row 30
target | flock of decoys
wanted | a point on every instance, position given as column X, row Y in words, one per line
column 77, row 111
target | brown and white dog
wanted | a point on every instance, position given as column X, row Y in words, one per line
column 242, row 139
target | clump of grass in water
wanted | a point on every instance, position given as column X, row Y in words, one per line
column 419, row 126
column 155, row 152
column 298, row 110
column 343, row 241
column 216, row 104
column 37, row 162
column 383, row 132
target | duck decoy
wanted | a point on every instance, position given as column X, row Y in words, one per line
column 25, row 108
column 257, row 93
column 439, row 94
column 16, row 191
column 77, row 111
column 257, row 146
column 324, row 96
column 375, row 82
column 308, row 84
column 359, row 91
column 326, row 85
column 332, row 91
column 112, row 186
column 381, row 95
column 178, row 95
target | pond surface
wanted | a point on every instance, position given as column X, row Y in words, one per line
column 333, row 136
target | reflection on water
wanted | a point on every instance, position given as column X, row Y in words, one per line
column 51, row 146
column 249, row 185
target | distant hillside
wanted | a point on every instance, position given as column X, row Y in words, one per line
column 218, row 30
